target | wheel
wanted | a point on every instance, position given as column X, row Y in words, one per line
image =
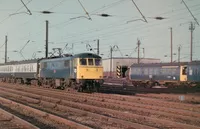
column 156, row 84
column 97, row 86
column 80, row 89
column 148, row 85
column 62, row 87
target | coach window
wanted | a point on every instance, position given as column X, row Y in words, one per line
column 83, row 61
column 142, row 71
column 31, row 69
column 24, row 68
column 173, row 71
column 145, row 71
column 28, row 68
column 18, row 68
column 138, row 71
column 90, row 62
column 168, row 71
column 155, row 71
column 150, row 70
column 164, row 71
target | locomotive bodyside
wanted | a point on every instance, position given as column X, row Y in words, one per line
column 55, row 68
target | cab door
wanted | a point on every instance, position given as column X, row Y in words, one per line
column 73, row 68
column 183, row 73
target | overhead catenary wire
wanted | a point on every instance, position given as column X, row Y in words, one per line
column 56, row 5
column 112, row 15
column 125, row 30
column 165, row 12
column 84, row 33
column 113, row 34
column 106, row 27
column 25, row 5
column 2, row 45
column 144, row 19
column 190, row 11
column 105, row 7
column 89, row 18
column 93, row 12
column 15, row 12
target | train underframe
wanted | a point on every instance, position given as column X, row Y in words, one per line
column 83, row 85
column 169, row 84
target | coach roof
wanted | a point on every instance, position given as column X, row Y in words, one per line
column 159, row 64
column 21, row 62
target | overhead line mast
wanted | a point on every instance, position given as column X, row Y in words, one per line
column 191, row 28
column 6, row 41
column 171, row 44
column 47, row 34
column 138, row 46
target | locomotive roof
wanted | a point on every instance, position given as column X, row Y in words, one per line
column 81, row 55
column 86, row 55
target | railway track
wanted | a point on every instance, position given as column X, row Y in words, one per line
column 71, row 110
column 8, row 120
column 108, row 111
column 184, row 98
column 130, row 90
column 121, row 86
column 39, row 118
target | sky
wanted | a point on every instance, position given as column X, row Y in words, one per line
column 67, row 28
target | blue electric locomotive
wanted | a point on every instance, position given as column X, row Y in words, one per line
column 82, row 71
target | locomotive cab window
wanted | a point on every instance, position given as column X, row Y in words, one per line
column 97, row 62
column 90, row 62
column 83, row 61
column 184, row 71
